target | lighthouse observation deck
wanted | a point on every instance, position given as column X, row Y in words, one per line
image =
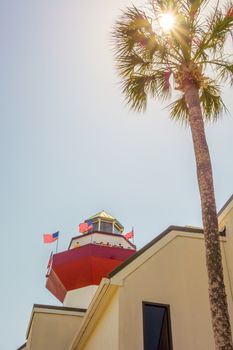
column 102, row 238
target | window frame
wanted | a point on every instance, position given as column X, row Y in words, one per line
column 167, row 307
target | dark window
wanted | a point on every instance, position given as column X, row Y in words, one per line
column 95, row 226
column 116, row 230
column 106, row 227
column 156, row 325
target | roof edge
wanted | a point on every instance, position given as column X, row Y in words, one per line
column 151, row 243
column 225, row 205
column 59, row 308
column 22, row 346
column 50, row 307
column 155, row 240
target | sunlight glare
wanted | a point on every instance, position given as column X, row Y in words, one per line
column 167, row 21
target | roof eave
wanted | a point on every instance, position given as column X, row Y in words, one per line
column 51, row 309
column 225, row 209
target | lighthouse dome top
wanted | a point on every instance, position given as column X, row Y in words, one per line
column 104, row 222
column 102, row 214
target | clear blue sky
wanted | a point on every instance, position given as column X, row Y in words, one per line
column 70, row 147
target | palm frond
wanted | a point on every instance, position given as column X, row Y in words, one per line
column 133, row 30
column 195, row 6
column 179, row 111
column 225, row 70
column 131, row 63
column 160, row 6
column 181, row 35
column 135, row 89
column 219, row 26
column 211, row 101
column 138, row 88
column 163, row 86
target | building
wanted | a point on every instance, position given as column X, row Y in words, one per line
column 155, row 299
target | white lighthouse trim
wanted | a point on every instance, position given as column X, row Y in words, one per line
column 101, row 238
column 80, row 298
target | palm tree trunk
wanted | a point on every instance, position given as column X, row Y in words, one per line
column 217, row 295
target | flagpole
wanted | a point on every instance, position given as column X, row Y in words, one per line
column 57, row 243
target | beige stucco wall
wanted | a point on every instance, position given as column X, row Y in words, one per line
column 80, row 298
column 105, row 334
column 226, row 220
column 175, row 275
column 52, row 331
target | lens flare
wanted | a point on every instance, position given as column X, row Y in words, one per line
column 167, row 21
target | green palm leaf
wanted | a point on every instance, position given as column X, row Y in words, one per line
column 212, row 103
column 146, row 60
column 179, row 111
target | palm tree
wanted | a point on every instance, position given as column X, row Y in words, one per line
column 192, row 58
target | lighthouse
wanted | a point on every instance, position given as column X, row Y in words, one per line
column 74, row 275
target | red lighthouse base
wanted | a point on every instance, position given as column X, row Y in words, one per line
column 83, row 266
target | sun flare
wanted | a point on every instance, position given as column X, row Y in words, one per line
column 167, row 21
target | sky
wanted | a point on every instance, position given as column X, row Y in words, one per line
column 70, row 147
